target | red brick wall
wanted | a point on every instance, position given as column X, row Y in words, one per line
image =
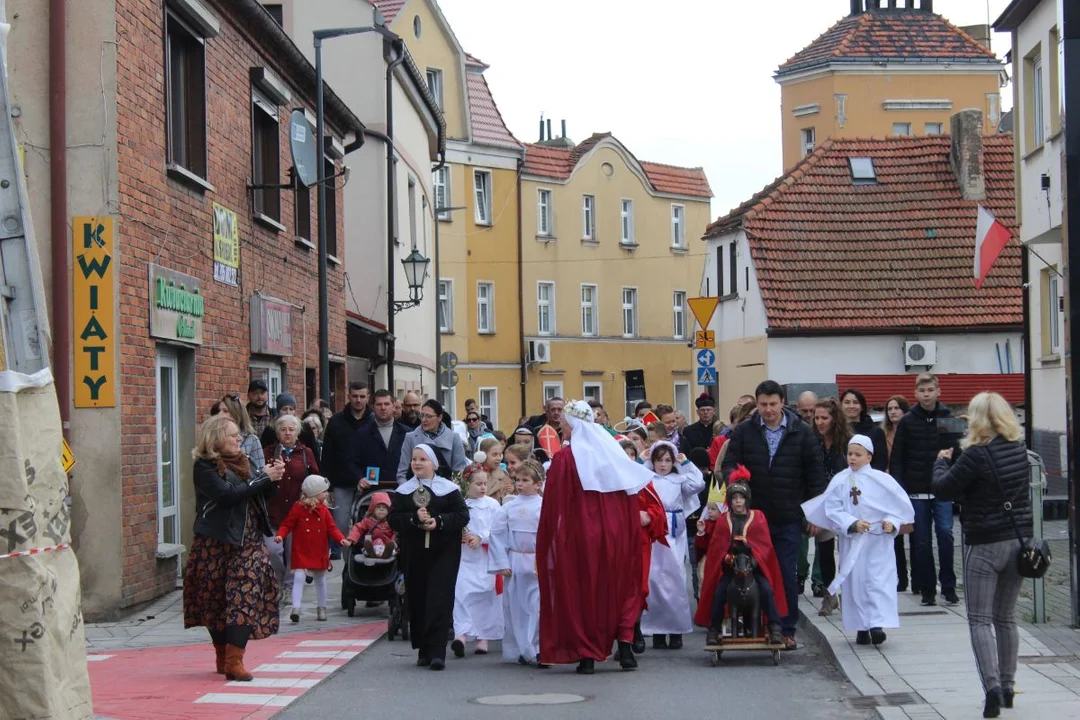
column 164, row 221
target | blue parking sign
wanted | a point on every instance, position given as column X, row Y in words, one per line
column 706, row 376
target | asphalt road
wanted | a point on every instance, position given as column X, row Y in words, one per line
column 384, row 681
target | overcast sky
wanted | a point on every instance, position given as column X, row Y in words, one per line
column 684, row 82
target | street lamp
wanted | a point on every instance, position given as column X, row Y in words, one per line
column 416, row 266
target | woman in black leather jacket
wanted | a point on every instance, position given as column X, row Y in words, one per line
column 992, row 470
column 230, row 587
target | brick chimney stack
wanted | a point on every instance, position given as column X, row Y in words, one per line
column 966, row 153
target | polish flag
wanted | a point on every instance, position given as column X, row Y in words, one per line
column 991, row 237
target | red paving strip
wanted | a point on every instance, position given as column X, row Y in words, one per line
column 180, row 682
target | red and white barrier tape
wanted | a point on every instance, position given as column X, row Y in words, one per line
column 35, row 551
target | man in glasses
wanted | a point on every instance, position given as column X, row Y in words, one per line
column 410, row 411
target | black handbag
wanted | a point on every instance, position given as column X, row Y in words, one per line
column 1034, row 558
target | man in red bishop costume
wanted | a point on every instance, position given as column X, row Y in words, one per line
column 589, row 547
column 739, row 528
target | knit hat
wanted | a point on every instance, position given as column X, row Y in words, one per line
column 739, row 483
column 379, row 498
column 863, row 441
column 313, row 485
column 705, row 400
column 285, row 400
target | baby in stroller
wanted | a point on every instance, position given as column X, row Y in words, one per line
column 379, row 540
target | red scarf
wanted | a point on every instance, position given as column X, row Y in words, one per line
column 237, row 462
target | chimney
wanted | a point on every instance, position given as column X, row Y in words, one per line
column 980, row 33
column 541, row 129
column 927, row 5
column 966, row 153
column 856, row 7
column 563, row 128
column 549, row 129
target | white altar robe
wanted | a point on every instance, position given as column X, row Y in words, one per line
column 478, row 610
column 867, row 571
column 513, row 546
column 669, row 603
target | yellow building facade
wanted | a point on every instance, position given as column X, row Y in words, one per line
column 611, row 253
column 477, row 214
column 884, row 71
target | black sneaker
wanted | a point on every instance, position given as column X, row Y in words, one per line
column 586, row 667
column 458, row 647
column 438, row 664
column 950, row 596
column 994, row 701
column 862, row 637
column 675, row 642
column 308, row 579
column 929, row 599
column 639, row 640
column 659, row 642
column 712, row 638
column 877, row 636
column 1008, row 696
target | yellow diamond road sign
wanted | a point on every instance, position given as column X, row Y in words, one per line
column 703, row 309
column 67, row 459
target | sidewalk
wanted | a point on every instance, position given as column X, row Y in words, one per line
column 926, row 668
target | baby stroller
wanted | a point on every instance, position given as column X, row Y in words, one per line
column 368, row 579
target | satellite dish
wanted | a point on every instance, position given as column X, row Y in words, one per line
column 302, row 146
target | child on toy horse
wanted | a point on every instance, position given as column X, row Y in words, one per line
column 739, row 530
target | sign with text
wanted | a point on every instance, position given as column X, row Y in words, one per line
column 94, row 312
column 176, row 306
column 271, row 326
column 226, row 245
column 704, row 339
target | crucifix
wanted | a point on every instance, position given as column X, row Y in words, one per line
column 855, row 493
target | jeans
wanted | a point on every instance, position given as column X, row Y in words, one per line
column 765, row 593
column 940, row 513
column 991, row 587
column 786, row 538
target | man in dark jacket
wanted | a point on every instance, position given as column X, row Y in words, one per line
column 378, row 445
column 700, row 434
column 784, row 459
column 915, row 448
column 339, row 461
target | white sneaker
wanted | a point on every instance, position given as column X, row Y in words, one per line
column 320, row 614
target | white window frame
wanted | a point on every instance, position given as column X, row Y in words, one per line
column 598, row 395
column 552, row 390
column 1038, row 111
column 446, row 301
column 593, row 308
column 933, row 128
column 482, row 180
column 1053, row 309
column 440, row 180
column 588, row 217
column 448, row 399
column 686, row 410
column 678, row 226
column 543, row 305
column 626, row 221
column 167, row 358
column 808, row 138
column 436, row 87
column 678, row 308
column 485, row 308
column 544, row 213
column 630, row 307
column 490, row 408
column 901, row 129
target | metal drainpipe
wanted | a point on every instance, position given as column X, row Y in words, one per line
column 58, row 200
column 391, row 213
column 521, row 292
column 1025, row 349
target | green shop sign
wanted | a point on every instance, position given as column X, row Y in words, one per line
column 176, row 306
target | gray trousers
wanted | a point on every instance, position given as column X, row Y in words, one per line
column 991, row 587
column 343, row 500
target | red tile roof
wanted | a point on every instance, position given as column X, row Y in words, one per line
column 898, row 35
column 488, row 126
column 389, row 8
column 956, row 388
column 558, row 163
column 831, row 255
column 473, row 61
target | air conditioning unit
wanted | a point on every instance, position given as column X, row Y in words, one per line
column 920, row 352
column 539, row 351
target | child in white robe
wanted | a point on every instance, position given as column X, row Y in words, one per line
column 865, row 508
column 478, row 612
column 513, row 555
column 678, row 482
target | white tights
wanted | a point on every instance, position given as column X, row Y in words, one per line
column 299, row 582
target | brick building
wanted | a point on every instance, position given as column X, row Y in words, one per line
column 185, row 281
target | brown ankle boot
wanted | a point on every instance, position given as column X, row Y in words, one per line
column 234, row 664
column 219, row 650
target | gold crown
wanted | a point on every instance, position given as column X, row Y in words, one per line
column 580, row 410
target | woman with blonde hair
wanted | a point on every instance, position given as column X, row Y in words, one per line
column 250, row 443
column 230, row 587
column 990, row 480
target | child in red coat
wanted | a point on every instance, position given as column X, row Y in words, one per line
column 311, row 523
column 380, row 540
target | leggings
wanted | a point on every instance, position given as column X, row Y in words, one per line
column 298, row 587
column 232, row 635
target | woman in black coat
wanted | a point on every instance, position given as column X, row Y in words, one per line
column 833, row 432
column 991, row 471
column 429, row 513
column 853, row 403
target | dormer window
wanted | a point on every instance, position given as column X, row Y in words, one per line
column 862, row 170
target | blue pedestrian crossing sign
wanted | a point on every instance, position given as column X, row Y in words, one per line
column 706, row 376
column 706, row 358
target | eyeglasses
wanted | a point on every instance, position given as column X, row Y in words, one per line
column 473, row 419
column 428, row 416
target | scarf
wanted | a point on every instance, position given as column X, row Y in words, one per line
column 237, row 462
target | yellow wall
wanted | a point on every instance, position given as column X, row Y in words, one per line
column 865, row 112
column 653, row 268
column 434, row 49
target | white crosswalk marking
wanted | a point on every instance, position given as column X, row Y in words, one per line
column 263, row 682
column 318, row 655
column 334, row 643
column 297, row 668
column 245, row 699
column 97, row 658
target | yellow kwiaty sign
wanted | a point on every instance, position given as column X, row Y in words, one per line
column 94, row 312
